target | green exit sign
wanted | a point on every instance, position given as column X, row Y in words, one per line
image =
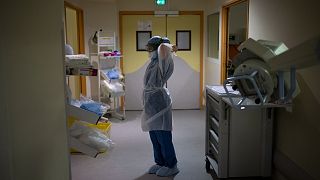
column 161, row 2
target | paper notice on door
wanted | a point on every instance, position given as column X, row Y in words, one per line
column 145, row 25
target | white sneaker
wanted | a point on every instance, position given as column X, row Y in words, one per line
column 153, row 169
column 165, row 171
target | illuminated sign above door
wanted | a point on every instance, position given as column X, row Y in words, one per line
column 161, row 2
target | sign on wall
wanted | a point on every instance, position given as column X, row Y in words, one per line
column 145, row 25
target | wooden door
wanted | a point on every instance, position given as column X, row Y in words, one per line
column 184, row 84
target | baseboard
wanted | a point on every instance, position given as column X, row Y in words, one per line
column 288, row 169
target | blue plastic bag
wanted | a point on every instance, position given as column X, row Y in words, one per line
column 93, row 107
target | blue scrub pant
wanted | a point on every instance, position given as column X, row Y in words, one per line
column 164, row 154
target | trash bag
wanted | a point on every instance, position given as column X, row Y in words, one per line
column 90, row 136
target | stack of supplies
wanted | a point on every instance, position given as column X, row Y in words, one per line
column 90, row 105
column 79, row 64
column 78, row 60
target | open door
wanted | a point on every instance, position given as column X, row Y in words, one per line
column 74, row 35
column 234, row 32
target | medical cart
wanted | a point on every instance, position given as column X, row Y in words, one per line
column 238, row 141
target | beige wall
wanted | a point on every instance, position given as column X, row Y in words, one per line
column 33, row 115
column 99, row 15
column 296, row 133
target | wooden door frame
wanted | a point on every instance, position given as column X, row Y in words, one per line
column 224, row 34
column 80, row 32
column 200, row 13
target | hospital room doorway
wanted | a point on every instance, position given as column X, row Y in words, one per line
column 235, row 18
column 74, row 36
column 185, row 29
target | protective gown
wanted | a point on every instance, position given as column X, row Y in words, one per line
column 157, row 114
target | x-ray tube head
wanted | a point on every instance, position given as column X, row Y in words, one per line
column 305, row 55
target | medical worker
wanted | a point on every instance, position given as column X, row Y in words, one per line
column 157, row 115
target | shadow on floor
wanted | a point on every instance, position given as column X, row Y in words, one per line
column 153, row 177
column 214, row 177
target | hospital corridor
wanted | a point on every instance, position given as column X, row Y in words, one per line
column 160, row 90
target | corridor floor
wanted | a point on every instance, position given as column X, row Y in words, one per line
column 132, row 153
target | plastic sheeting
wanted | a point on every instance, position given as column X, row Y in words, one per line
column 157, row 103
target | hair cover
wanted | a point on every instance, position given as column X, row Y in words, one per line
column 155, row 41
